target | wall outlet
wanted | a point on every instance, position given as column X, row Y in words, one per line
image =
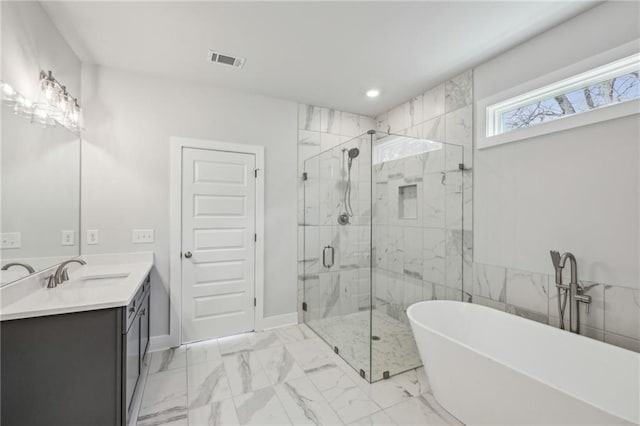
column 11, row 240
column 68, row 238
column 142, row 236
column 92, row 236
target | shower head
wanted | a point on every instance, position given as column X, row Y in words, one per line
column 353, row 153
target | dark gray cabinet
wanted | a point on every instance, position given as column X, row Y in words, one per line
column 80, row 368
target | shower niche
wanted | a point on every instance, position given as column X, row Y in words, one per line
column 382, row 230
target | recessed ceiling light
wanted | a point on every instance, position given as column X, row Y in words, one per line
column 373, row 93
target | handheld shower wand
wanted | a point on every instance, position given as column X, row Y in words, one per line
column 563, row 289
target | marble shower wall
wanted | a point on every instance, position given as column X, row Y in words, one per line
column 344, row 288
column 430, row 257
column 613, row 314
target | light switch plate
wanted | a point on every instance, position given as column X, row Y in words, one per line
column 68, row 238
column 11, row 240
column 142, row 236
column 92, row 236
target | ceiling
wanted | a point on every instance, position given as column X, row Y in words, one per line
column 322, row 53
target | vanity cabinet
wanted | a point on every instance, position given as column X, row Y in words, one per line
column 80, row 368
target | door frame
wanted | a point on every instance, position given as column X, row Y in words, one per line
column 177, row 144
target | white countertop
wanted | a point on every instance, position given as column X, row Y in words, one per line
column 103, row 283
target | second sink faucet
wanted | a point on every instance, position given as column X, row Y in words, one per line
column 573, row 291
column 61, row 274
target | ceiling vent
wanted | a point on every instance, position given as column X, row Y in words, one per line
column 221, row 58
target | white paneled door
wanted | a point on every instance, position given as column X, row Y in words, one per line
column 218, row 243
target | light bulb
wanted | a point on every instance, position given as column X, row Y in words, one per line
column 373, row 93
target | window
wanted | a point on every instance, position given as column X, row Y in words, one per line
column 394, row 147
column 614, row 83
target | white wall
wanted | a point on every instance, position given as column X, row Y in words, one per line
column 575, row 190
column 129, row 120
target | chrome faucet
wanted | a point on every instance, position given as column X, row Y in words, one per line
column 26, row 266
column 61, row 275
column 573, row 291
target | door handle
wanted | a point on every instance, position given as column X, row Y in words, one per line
column 188, row 254
column 324, row 257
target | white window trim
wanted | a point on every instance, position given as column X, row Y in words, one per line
column 560, row 81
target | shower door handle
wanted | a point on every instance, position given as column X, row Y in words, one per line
column 324, row 257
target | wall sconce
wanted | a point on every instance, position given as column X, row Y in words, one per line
column 53, row 105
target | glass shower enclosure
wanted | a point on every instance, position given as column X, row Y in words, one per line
column 382, row 230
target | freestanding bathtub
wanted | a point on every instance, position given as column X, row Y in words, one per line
column 493, row 368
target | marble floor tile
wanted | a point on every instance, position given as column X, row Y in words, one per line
column 167, row 412
column 220, row 413
column 310, row 354
column 169, row 359
column 264, row 340
column 261, row 407
column 421, row 410
column 346, row 398
column 207, row 351
column 245, row 372
column 304, row 404
column 295, row 333
column 234, row 344
column 376, row 419
column 279, row 364
column 162, row 387
column 207, row 383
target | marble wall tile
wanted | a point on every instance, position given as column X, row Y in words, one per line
column 329, row 285
column 308, row 138
column 395, row 253
column 435, row 161
column 412, row 292
column 490, row 282
column 459, row 91
column 433, row 129
column 395, row 296
column 413, row 260
column 352, row 124
column 453, row 259
column 348, row 291
column 313, row 210
column 261, row 408
column 413, row 112
column 329, row 141
column 622, row 311
column 453, row 200
column 489, row 303
column 434, row 189
column 528, row 314
column 459, row 131
column 454, row 156
column 528, row 290
column 622, row 341
column 396, row 120
column 382, row 123
column 308, row 117
column 433, row 255
column 433, row 102
column 330, row 121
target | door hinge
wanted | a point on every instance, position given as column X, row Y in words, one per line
column 255, row 172
column 304, row 306
column 305, row 176
column 255, row 302
column 255, row 237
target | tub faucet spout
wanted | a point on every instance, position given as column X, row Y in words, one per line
column 573, row 291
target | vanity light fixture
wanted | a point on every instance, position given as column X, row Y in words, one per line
column 54, row 105
column 373, row 93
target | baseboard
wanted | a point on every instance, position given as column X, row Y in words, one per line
column 276, row 321
column 159, row 343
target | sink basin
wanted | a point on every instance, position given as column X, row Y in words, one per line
column 98, row 280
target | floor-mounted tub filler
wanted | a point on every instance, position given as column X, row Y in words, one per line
column 490, row 367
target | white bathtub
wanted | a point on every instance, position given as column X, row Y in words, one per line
column 493, row 368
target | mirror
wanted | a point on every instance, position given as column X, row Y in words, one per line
column 39, row 196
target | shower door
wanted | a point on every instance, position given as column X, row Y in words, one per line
column 337, row 250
